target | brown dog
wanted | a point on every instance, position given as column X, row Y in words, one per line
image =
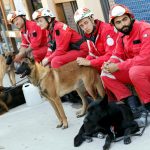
column 6, row 67
column 10, row 97
column 55, row 83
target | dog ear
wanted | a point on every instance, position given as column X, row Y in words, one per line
column 32, row 60
column 14, row 53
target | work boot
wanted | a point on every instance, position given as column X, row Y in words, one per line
column 147, row 106
column 133, row 102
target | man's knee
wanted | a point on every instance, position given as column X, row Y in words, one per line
column 104, row 78
column 56, row 62
column 135, row 73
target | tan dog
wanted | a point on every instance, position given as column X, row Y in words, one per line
column 9, row 69
column 55, row 83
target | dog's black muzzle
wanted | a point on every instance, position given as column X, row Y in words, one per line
column 23, row 69
column 9, row 60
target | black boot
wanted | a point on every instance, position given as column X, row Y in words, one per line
column 147, row 106
column 133, row 102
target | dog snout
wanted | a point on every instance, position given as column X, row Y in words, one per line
column 23, row 69
column 9, row 60
column 18, row 68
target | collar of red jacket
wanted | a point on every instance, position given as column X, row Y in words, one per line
column 23, row 30
column 52, row 26
column 95, row 31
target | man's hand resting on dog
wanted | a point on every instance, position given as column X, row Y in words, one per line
column 45, row 61
column 23, row 52
column 18, row 57
column 110, row 67
column 83, row 62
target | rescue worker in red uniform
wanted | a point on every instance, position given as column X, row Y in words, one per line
column 33, row 38
column 100, row 38
column 130, row 62
column 65, row 44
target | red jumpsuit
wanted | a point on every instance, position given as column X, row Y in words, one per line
column 132, row 54
column 65, row 45
column 101, row 44
column 36, row 38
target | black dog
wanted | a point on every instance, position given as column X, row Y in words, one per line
column 114, row 120
column 10, row 97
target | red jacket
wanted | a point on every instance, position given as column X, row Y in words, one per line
column 63, row 36
column 36, row 38
column 134, row 49
column 101, row 49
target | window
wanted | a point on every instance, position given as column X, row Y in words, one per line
column 36, row 4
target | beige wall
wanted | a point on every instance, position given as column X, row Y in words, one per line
column 62, row 1
column 56, row 8
column 49, row 4
column 94, row 5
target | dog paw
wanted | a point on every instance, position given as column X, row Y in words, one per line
column 127, row 140
column 99, row 135
column 106, row 147
column 64, row 126
column 59, row 125
column 80, row 113
column 89, row 140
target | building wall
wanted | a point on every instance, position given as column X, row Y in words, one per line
column 55, row 6
column 95, row 7
column 19, row 5
column 111, row 2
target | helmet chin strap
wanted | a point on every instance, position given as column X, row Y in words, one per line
column 94, row 26
column 24, row 20
column 50, row 23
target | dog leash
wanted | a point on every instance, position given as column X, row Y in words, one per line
column 13, row 87
column 136, row 134
column 144, row 127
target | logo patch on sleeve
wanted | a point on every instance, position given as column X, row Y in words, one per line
column 110, row 41
column 145, row 35
column 64, row 27
column 34, row 34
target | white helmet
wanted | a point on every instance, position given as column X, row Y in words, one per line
column 13, row 14
column 42, row 12
column 119, row 10
column 82, row 13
